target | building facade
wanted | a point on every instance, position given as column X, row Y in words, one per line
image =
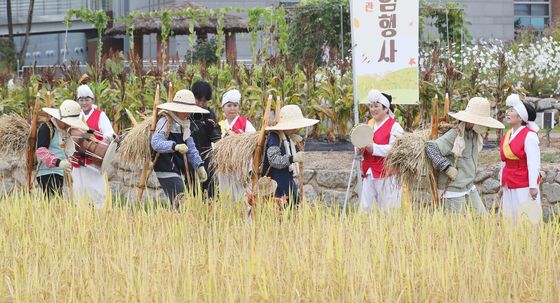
column 52, row 43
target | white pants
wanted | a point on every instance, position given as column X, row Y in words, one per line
column 232, row 186
column 385, row 192
column 89, row 185
column 512, row 198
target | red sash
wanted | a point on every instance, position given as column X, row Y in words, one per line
column 377, row 164
column 239, row 125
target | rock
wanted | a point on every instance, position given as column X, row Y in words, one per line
column 131, row 179
column 549, row 212
column 334, row 178
column 551, row 192
column 7, row 186
column 532, row 100
column 333, row 197
column 307, row 175
column 19, row 176
column 491, row 201
column 153, row 181
column 490, row 186
column 549, row 176
column 556, row 105
column 5, row 165
column 482, row 175
column 545, row 104
column 557, row 179
column 310, row 193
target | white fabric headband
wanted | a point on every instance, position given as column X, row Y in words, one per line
column 375, row 96
column 85, row 91
column 514, row 101
column 233, row 96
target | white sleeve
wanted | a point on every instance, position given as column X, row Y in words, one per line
column 105, row 126
column 249, row 128
column 383, row 150
column 533, row 152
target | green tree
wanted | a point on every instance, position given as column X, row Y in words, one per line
column 7, row 55
column 205, row 51
column 316, row 23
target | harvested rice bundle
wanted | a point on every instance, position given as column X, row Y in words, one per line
column 409, row 160
column 135, row 147
column 233, row 154
column 14, row 132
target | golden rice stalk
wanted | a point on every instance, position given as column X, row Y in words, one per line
column 14, row 132
column 135, row 147
column 233, row 154
column 409, row 161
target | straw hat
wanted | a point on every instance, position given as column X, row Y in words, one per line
column 478, row 112
column 531, row 211
column 291, row 118
column 183, row 102
column 69, row 113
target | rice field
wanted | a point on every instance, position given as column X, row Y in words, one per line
column 210, row 253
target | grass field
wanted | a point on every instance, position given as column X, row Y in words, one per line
column 61, row 252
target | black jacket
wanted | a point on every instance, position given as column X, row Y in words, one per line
column 205, row 130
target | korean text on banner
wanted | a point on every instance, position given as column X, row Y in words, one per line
column 385, row 48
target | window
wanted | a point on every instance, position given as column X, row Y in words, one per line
column 531, row 14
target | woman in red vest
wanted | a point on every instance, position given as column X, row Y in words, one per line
column 233, row 124
column 378, row 185
column 88, row 182
column 521, row 157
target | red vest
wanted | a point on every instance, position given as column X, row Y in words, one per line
column 239, row 125
column 93, row 123
column 377, row 164
column 515, row 173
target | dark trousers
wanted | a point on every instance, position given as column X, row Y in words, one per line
column 51, row 184
column 172, row 187
column 208, row 186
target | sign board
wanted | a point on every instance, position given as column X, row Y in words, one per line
column 385, row 49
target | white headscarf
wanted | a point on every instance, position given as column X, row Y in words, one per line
column 375, row 96
column 232, row 95
column 514, row 101
column 85, row 91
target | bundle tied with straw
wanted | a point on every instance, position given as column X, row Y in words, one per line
column 14, row 133
column 234, row 154
column 409, row 161
column 135, row 147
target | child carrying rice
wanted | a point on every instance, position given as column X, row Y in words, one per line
column 54, row 143
column 281, row 152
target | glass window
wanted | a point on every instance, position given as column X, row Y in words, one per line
column 539, row 9
column 522, row 10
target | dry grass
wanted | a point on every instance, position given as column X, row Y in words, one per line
column 233, row 154
column 14, row 132
column 59, row 252
column 408, row 158
column 135, row 147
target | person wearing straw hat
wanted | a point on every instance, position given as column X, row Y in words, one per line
column 205, row 131
column 233, row 124
column 54, row 143
column 88, row 182
column 282, row 155
column 521, row 158
column 455, row 156
column 380, row 187
column 172, row 140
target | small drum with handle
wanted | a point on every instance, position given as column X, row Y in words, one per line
column 361, row 135
column 101, row 151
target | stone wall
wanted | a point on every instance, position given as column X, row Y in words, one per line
column 546, row 105
column 328, row 185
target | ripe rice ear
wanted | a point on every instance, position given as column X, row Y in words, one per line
column 135, row 147
column 14, row 132
column 410, row 163
column 234, row 154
